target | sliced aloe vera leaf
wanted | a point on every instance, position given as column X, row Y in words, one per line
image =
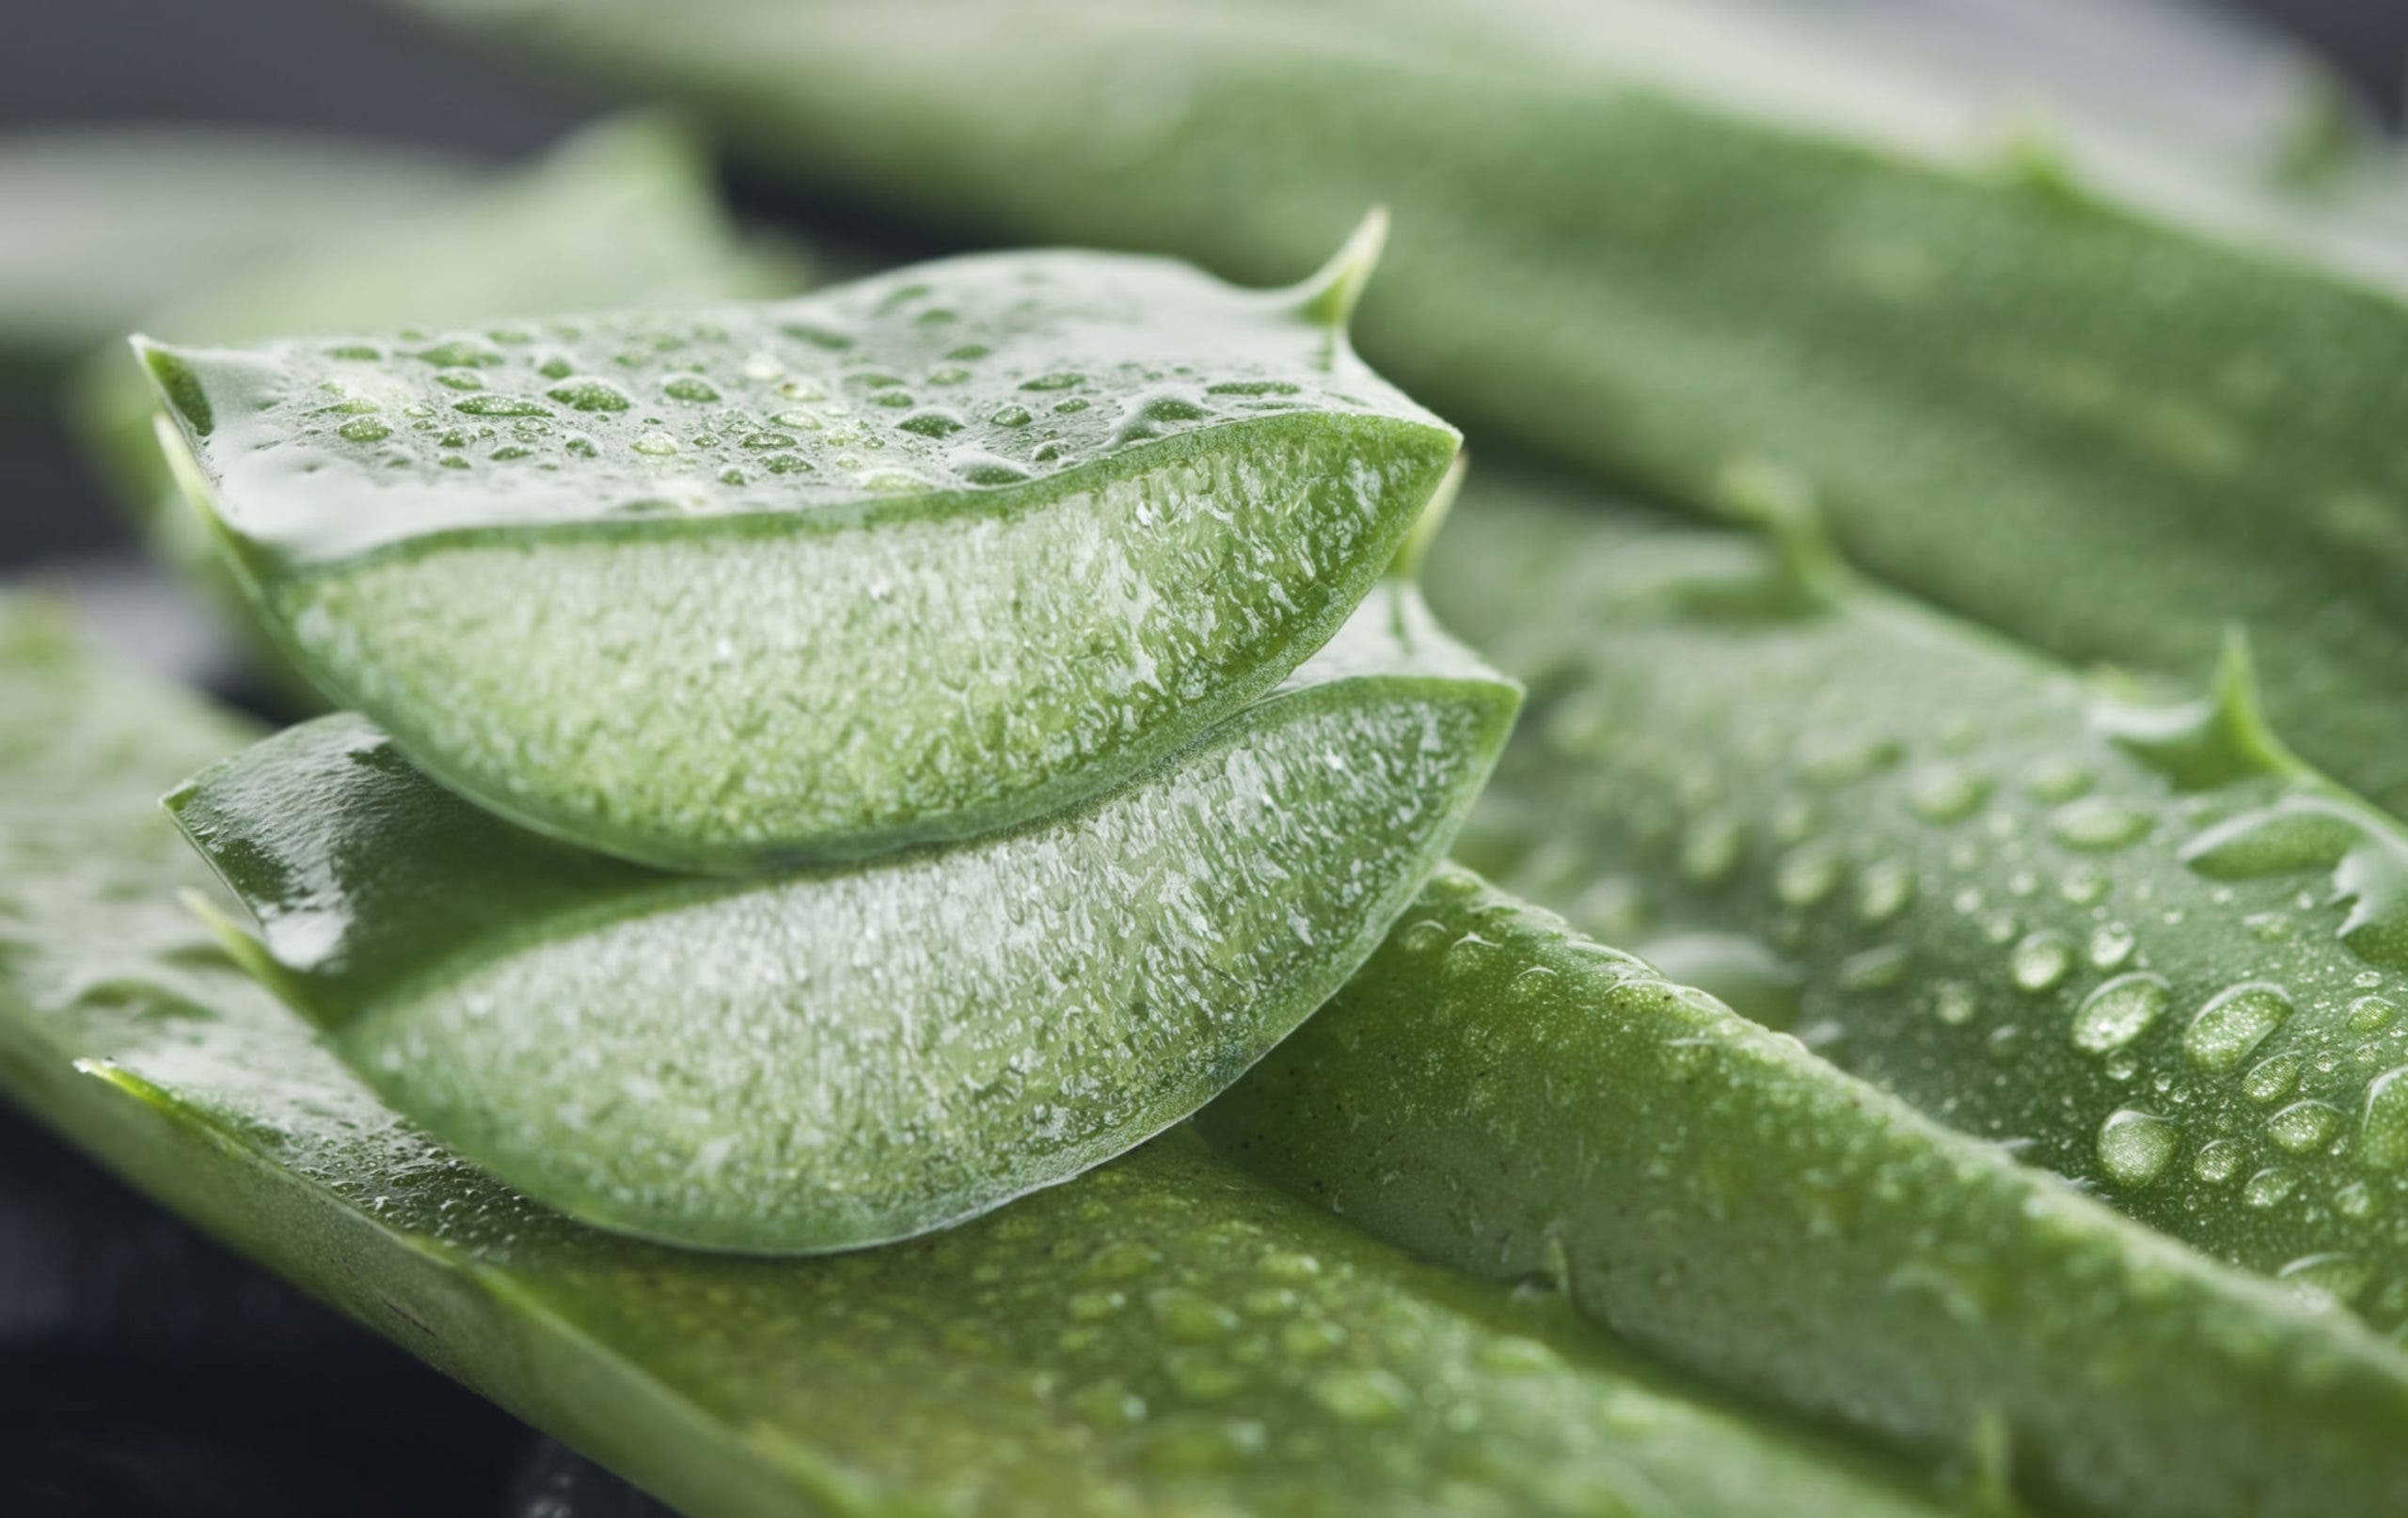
column 2136, row 941
column 1166, row 1335
column 1657, row 236
column 1500, row 1093
column 911, row 559
column 863, row 1053
column 107, row 224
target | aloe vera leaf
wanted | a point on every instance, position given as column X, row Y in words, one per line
column 2138, row 942
column 1501, row 1094
column 854, row 1053
column 107, row 224
column 1656, row 237
column 1055, row 513
column 1164, row 1334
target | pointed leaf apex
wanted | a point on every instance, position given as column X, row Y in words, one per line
column 1329, row 295
column 177, row 385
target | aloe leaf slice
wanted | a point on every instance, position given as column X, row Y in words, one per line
column 1500, row 1093
column 2134, row 939
column 911, row 559
column 1166, row 1335
column 853, row 1053
column 1658, row 237
column 91, row 209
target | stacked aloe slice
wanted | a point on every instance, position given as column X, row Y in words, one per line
column 822, row 770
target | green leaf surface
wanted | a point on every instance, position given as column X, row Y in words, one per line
column 848, row 1055
column 108, row 223
column 1500, row 1093
column 1663, row 237
column 2136, row 941
column 1163, row 1336
column 1056, row 513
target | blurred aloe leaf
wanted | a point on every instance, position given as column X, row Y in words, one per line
column 1656, row 238
column 105, row 224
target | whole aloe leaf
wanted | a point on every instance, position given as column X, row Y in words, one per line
column 1055, row 513
column 831, row 1059
column 90, row 209
column 1660, row 236
column 1501, row 1094
column 2138, row 942
column 1166, row 1335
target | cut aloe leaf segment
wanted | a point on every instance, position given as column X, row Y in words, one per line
column 861, row 1053
column 912, row 559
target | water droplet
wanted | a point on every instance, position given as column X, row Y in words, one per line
column 1192, row 1317
column 2083, row 885
column 2367, row 1013
column 1710, row 849
column 1955, row 1003
column 2111, row 944
column 1805, row 876
column 2332, row 1277
column 657, row 445
column 1059, row 381
column 2383, row 1142
column 2136, row 1146
column 689, row 388
column 1877, row 968
column 1011, row 417
column 2236, row 1020
column 365, row 430
column 2057, row 777
column 589, row 395
column 2269, row 1079
column 500, row 406
column 1947, row 793
column 2040, row 961
column 2098, row 825
column 2119, row 1011
column 2304, row 1126
column 2355, row 1201
column 1363, row 1395
column 2269, row 1187
column 1883, row 890
column 2217, row 1162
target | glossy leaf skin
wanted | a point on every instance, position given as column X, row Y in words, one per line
column 1164, row 1334
column 915, row 559
column 2138, row 942
column 91, row 209
column 1501, row 1094
column 854, row 1055
column 1660, row 238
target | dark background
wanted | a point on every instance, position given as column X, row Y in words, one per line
column 142, row 1370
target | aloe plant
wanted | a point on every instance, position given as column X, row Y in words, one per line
column 1164, row 1334
column 843, row 1056
column 2090, row 394
column 2136, row 939
column 1057, row 514
column 1497, row 1092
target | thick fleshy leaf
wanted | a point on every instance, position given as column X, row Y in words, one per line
column 1497, row 1092
column 912, row 559
column 1164, row 1336
column 863, row 1052
column 2136, row 940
